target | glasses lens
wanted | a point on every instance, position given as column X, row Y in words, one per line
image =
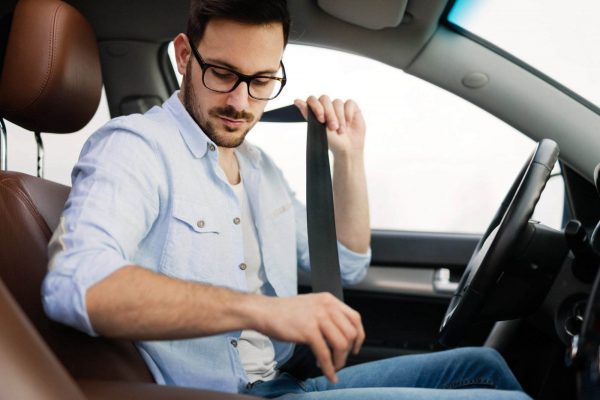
column 219, row 79
column 265, row 88
column 223, row 80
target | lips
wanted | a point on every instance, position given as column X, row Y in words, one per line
column 233, row 123
column 230, row 118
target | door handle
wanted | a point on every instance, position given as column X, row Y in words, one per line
column 442, row 283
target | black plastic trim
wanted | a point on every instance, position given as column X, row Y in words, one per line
column 582, row 198
column 422, row 249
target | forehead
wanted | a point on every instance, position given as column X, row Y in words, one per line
column 247, row 47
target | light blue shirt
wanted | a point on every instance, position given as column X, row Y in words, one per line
column 147, row 190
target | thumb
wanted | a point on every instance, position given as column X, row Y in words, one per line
column 302, row 107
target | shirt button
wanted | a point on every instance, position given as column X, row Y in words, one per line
column 200, row 223
column 243, row 266
column 211, row 147
column 236, row 221
column 233, row 342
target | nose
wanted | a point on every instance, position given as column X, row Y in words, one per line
column 239, row 98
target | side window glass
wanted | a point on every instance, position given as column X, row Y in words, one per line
column 434, row 162
column 61, row 150
column 171, row 52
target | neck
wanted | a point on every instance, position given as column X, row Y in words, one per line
column 229, row 165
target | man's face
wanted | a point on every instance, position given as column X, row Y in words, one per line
column 226, row 118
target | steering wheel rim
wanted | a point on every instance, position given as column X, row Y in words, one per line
column 499, row 240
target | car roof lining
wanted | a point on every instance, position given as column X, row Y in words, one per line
column 396, row 46
column 513, row 94
column 311, row 25
column 415, row 46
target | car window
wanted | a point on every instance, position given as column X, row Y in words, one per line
column 434, row 162
column 559, row 39
column 61, row 150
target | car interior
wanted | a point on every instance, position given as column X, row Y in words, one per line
column 526, row 289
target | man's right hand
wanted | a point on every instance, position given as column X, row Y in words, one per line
column 328, row 326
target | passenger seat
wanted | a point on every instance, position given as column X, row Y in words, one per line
column 51, row 82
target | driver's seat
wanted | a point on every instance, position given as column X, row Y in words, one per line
column 51, row 82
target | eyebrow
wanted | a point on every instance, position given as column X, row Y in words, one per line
column 221, row 63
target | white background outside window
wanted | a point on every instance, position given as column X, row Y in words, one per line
column 434, row 162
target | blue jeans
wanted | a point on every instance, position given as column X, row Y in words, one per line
column 465, row 373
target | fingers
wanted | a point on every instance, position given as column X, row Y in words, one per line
column 339, row 345
column 314, row 104
column 302, row 107
column 328, row 326
column 350, row 110
column 356, row 320
column 317, row 108
column 347, row 328
column 341, row 328
column 323, row 356
column 350, row 323
column 340, row 112
column 354, row 116
column 331, row 118
column 337, row 114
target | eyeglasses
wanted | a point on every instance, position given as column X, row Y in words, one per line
column 224, row 80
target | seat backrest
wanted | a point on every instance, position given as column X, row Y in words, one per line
column 50, row 82
column 28, row 368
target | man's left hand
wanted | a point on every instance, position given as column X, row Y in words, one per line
column 344, row 120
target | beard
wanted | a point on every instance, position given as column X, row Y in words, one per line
column 225, row 137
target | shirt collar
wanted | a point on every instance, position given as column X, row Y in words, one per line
column 195, row 138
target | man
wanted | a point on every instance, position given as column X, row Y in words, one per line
column 182, row 236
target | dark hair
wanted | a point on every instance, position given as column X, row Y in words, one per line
column 245, row 11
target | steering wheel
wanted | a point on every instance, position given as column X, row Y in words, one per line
column 499, row 240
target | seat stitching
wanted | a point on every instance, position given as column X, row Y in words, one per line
column 51, row 40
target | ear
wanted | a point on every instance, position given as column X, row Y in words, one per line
column 182, row 52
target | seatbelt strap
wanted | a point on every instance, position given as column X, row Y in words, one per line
column 322, row 240
column 284, row 114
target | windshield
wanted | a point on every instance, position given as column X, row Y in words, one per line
column 560, row 39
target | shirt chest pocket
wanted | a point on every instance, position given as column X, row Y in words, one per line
column 195, row 242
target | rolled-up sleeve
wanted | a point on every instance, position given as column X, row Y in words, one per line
column 112, row 205
column 353, row 265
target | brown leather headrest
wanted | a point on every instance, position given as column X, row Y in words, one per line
column 51, row 79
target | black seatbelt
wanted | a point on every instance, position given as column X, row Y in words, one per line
column 289, row 113
column 322, row 240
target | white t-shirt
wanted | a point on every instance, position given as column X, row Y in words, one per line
column 256, row 350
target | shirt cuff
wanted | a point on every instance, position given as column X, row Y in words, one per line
column 65, row 287
column 353, row 265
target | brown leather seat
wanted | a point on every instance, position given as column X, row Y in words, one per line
column 30, row 209
column 51, row 82
column 28, row 368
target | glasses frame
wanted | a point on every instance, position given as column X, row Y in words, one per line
column 240, row 77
